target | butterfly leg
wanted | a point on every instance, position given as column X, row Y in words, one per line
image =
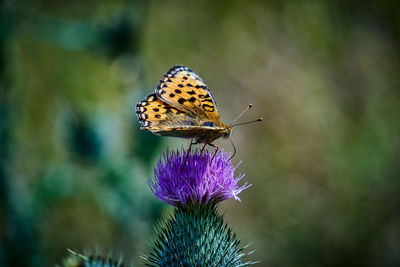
column 215, row 152
column 187, row 154
column 202, row 149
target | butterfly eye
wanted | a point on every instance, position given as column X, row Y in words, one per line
column 227, row 133
column 209, row 124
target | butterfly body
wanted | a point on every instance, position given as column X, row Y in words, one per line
column 182, row 106
column 200, row 134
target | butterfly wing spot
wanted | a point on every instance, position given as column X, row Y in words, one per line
column 204, row 96
column 208, row 107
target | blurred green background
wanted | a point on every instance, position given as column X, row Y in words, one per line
column 324, row 163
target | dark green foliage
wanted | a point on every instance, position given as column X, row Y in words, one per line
column 195, row 235
column 85, row 141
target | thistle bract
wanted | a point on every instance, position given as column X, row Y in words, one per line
column 89, row 260
column 196, row 235
column 197, row 177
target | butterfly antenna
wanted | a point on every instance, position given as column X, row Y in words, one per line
column 234, row 149
column 259, row 119
column 241, row 113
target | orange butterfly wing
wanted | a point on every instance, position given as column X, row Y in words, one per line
column 185, row 90
column 154, row 114
column 163, row 119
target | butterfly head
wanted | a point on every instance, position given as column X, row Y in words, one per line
column 227, row 132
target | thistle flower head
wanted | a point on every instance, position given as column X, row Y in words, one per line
column 181, row 178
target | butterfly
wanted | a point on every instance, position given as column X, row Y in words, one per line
column 183, row 106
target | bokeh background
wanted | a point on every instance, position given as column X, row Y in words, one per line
column 324, row 163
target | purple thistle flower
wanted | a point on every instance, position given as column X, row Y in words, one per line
column 200, row 180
